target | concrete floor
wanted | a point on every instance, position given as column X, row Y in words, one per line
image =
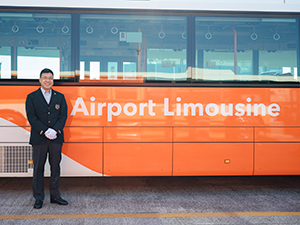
column 157, row 200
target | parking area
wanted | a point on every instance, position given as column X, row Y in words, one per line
column 157, row 200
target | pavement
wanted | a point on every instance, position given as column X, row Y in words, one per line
column 156, row 200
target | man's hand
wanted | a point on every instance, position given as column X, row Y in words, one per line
column 51, row 134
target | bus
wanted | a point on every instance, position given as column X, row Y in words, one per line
column 156, row 88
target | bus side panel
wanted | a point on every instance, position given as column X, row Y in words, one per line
column 83, row 134
column 277, row 159
column 159, row 117
column 162, row 110
column 277, row 134
column 137, row 134
column 163, row 106
column 277, row 150
column 213, row 134
column 138, row 159
column 90, row 155
column 211, row 159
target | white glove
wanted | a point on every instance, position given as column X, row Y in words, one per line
column 50, row 134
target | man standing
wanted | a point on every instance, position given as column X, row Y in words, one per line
column 47, row 113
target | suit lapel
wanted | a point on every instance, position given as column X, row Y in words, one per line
column 41, row 97
column 52, row 99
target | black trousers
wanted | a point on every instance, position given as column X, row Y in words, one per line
column 40, row 153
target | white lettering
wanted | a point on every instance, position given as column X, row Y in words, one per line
column 239, row 109
column 249, row 107
column 79, row 107
column 214, row 107
column 134, row 109
column 178, row 107
column 193, row 106
column 151, row 106
column 142, row 107
column 274, row 111
column 93, row 106
column 110, row 111
column 262, row 107
column 166, row 108
column 230, row 110
column 100, row 108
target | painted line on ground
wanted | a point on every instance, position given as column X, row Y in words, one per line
column 141, row 215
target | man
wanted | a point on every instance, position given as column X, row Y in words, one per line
column 47, row 113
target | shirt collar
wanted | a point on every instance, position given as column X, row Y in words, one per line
column 44, row 91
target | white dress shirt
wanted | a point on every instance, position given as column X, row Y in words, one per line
column 47, row 95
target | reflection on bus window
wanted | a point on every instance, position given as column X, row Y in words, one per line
column 112, row 69
column 167, row 64
column 149, row 48
column 33, row 41
column 5, row 63
column 36, row 64
column 127, row 47
column 95, row 70
column 246, row 49
column 129, row 70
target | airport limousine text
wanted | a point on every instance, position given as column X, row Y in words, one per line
column 114, row 109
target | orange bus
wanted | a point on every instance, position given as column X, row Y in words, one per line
column 156, row 88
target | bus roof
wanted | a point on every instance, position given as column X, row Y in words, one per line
column 203, row 5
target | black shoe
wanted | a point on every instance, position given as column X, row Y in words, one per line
column 59, row 201
column 38, row 204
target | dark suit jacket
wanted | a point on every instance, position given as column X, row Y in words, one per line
column 42, row 116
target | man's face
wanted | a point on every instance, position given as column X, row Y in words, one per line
column 46, row 81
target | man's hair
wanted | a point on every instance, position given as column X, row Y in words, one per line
column 46, row 70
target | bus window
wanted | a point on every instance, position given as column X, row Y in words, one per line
column 134, row 47
column 95, row 70
column 33, row 41
column 112, row 69
column 129, row 70
column 278, row 65
column 246, row 49
column 5, row 63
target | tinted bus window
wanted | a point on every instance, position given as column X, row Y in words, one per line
column 246, row 49
column 133, row 47
column 32, row 41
